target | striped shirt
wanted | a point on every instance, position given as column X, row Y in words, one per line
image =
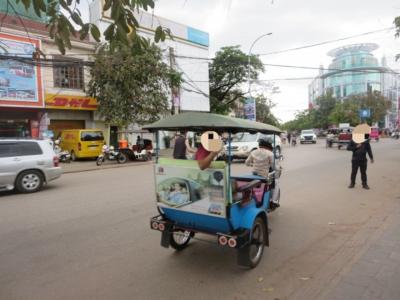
column 261, row 160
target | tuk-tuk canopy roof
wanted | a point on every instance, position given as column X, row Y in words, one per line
column 201, row 121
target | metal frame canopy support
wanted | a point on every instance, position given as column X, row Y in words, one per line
column 200, row 122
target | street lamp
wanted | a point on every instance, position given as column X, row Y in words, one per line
column 248, row 65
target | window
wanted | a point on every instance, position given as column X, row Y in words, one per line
column 69, row 75
column 92, row 136
column 8, row 149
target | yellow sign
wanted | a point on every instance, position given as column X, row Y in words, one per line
column 70, row 102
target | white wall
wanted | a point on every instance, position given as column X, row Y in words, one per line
column 192, row 69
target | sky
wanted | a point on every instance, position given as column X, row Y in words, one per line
column 293, row 23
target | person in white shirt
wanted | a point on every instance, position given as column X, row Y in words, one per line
column 261, row 159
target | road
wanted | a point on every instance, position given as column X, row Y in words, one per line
column 87, row 236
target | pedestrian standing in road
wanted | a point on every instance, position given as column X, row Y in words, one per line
column 289, row 137
column 359, row 160
column 180, row 147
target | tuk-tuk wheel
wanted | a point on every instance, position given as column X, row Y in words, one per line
column 180, row 239
column 251, row 254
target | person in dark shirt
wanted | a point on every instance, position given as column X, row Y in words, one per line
column 359, row 160
column 180, row 147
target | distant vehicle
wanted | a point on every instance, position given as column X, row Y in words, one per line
column 27, row 164
column 345, row 136
column 308, row 136
column 243, row 143
column 82, row 143
column 374, row 134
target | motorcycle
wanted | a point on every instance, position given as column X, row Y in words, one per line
column 294, row 141
column 109, row 153
column 63, row 155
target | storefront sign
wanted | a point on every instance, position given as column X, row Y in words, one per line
column 20, row 82
column 70, row 102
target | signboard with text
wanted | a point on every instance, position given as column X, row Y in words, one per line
column 70, row 102
column 20, row 82
column 250, row 109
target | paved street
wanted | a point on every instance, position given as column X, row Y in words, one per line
column 87, row 236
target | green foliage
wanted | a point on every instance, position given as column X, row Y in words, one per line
column 132, row 84
column 263, row 111
column 325, row 105
column 348, row 110
column 123, row 28
column 303, row 120
column 227, row 72
column 397, row 24
column 331, row 111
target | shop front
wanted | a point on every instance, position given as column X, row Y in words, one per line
column 69, row 112
column 19, row 123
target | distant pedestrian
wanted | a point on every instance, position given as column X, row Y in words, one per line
column 289, row 137
column 359, row 160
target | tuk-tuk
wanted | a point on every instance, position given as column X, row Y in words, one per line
column 190, row 200
column 132, row 149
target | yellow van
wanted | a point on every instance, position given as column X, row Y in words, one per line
column 82, row 143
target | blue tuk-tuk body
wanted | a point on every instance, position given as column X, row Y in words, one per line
column 212, row 201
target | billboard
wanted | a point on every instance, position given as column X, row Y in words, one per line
column 197, row 36
column 250, row 109
column 20, row 82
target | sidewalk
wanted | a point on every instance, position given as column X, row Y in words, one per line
column 90, row 165
column 376, row 272
column 85, row 165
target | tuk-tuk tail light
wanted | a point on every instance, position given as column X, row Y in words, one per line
column 155, row 225
column 222, row 240
column 232, row 242
column 161, row 226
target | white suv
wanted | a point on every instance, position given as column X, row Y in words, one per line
column 308, row 136
column 27, row 164
column 243, row 143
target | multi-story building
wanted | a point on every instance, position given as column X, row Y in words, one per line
column 40, row 97
column 186, row 42
column 354, row 70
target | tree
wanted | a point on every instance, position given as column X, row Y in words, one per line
column 227, row 72
column 132, row 85
column 325, row 105
column 348, row 110
column 303, row 120
column 263, row 111
column 63, row 24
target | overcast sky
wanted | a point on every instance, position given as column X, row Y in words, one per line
column 293, row 23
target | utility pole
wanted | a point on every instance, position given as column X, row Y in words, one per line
column 175, row 92
column 248, row 69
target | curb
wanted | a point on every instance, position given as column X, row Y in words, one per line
column 130, row 164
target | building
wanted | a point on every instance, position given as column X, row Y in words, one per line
column 187, row 42
column 354, row 70
column 39, row 98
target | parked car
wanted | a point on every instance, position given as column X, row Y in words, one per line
column 82, row 143
column 308, row 136
column 27, row 164
column 243, row 143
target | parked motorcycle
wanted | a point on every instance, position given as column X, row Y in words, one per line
column 63, row 155
column 109, row 153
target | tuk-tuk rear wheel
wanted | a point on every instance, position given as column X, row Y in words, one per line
column 180, row 239
column 251, row 254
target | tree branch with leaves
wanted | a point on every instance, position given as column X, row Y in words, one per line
column 64, row 24
column 132, row 85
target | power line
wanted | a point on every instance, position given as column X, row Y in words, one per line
column 327, row 42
